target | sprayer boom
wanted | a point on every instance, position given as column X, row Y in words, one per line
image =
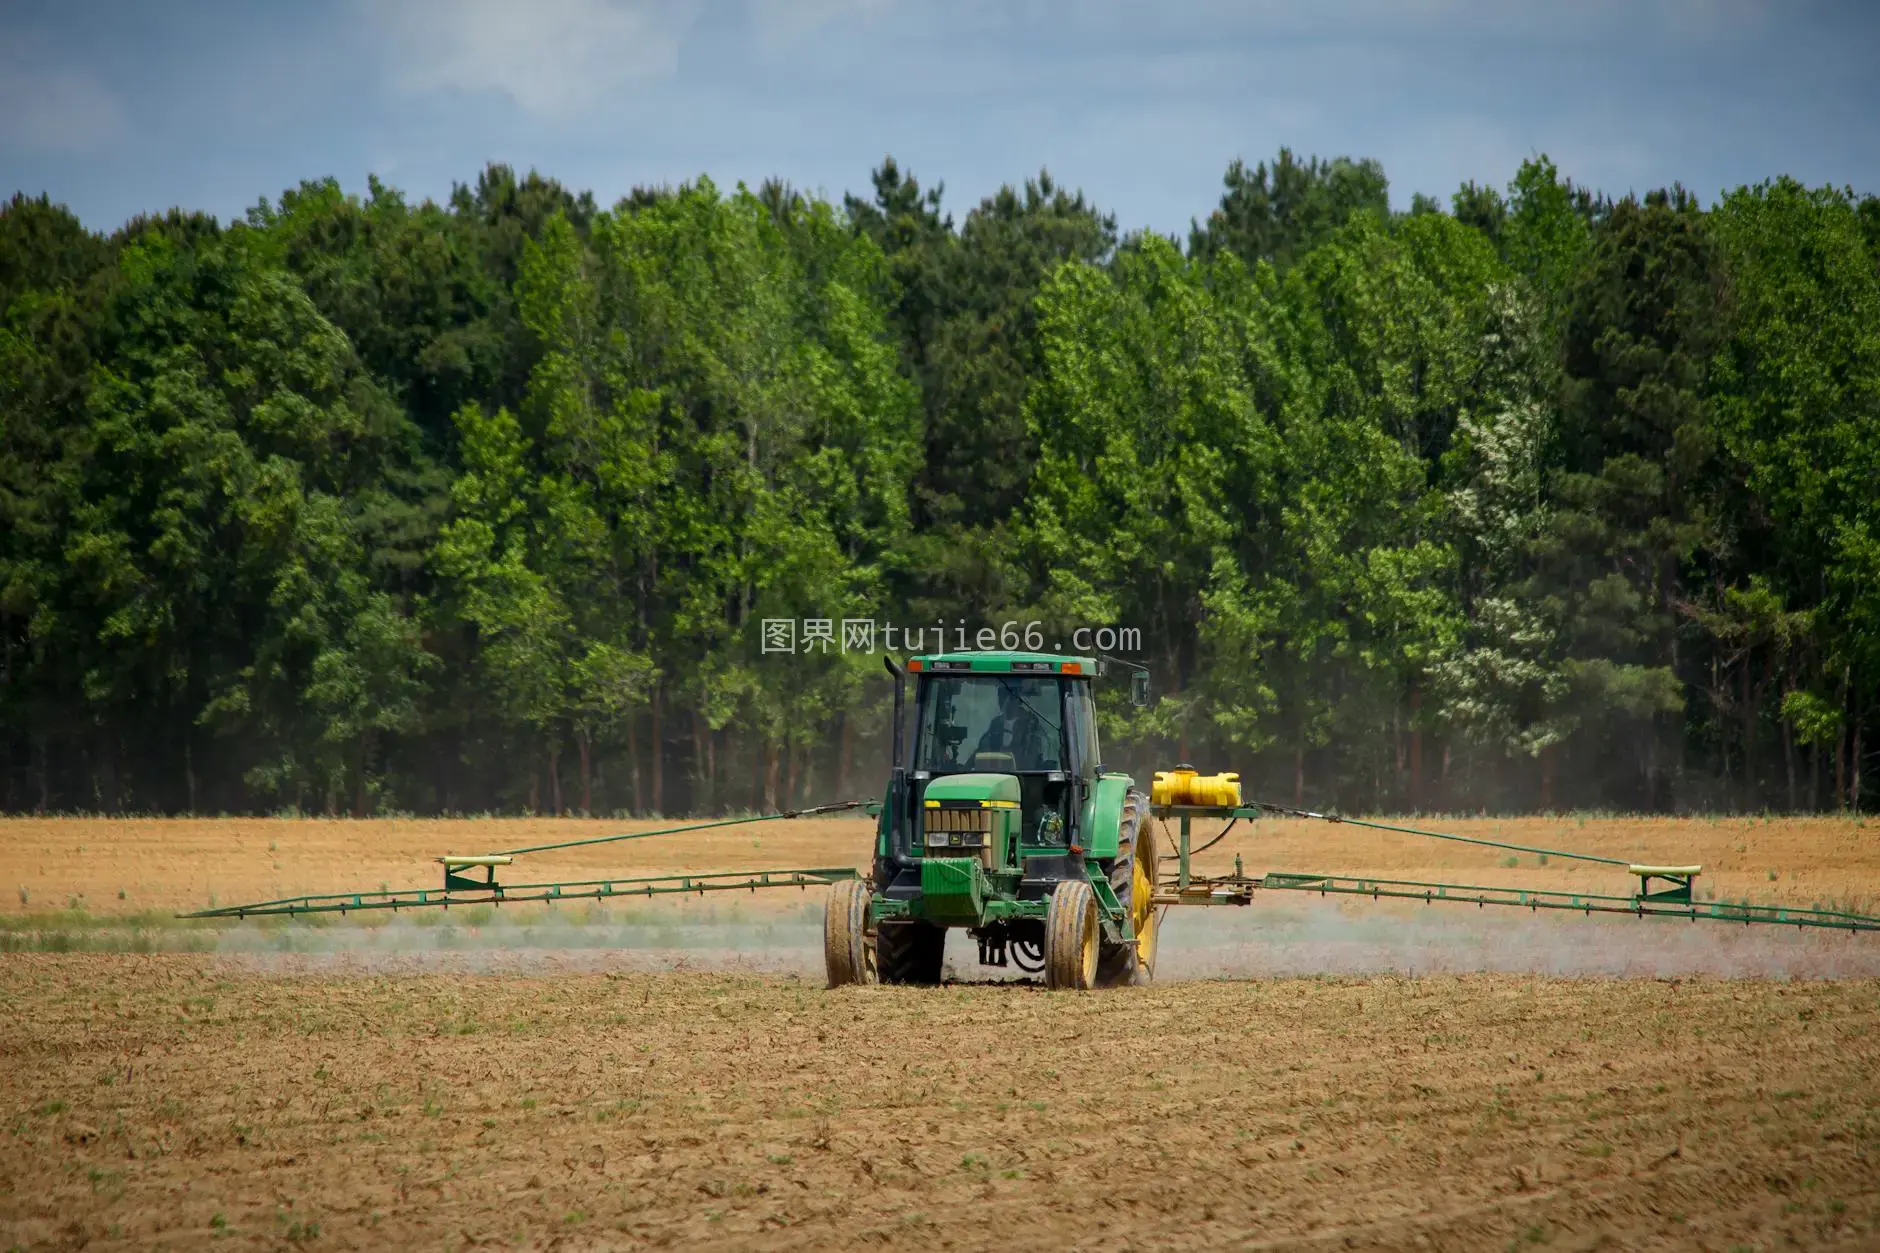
column 1663, row 891
column 462, row 887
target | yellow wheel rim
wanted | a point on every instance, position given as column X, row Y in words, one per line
column 1091, row 932
column 1143, row 915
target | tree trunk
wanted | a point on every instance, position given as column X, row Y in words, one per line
column 43, row 769
column 770, row 774
column 1788, row 752
column 711, row 766
column 107, row 772
column 1416, row 749
column 791, row 755
column 1746, row 706
column 1814, row 778
column 584, row 744
column 1650, row 766
column 1550, row 765
column 444, row 776
column 1840, row 748
column 1299, row 777
column 633, row 763
column 1400, row 751
column 701, row 764
column 844, row 755
column 1181, row 739
column 554, row 776
column 535, row 787
column 659, row 755
column 363, row 757
column 189, row 776
column 1853, row 787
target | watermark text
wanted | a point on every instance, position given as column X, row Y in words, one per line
column 866, row 635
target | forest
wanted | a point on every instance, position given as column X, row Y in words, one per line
column 1537, row 500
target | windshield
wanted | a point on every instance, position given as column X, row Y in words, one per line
column 998, row 722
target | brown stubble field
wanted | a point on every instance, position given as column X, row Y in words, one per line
column 253, row 1099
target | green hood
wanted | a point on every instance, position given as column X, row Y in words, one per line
column 973, row 787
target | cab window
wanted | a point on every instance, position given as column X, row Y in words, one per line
column 1004, row 723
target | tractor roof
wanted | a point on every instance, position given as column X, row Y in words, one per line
column 1005, row 663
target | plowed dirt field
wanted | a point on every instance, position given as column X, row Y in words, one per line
column 674, row 1074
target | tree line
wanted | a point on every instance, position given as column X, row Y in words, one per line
column 1535, row 500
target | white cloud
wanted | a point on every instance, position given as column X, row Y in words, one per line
column 553, row 58
column 49, row 108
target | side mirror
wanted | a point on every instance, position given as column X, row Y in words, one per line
column 1139, row 689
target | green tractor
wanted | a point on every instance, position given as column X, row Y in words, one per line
column 1004, row 823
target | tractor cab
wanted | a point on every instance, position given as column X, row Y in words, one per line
column 983, row 724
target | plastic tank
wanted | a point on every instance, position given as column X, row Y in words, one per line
column 1182, row 786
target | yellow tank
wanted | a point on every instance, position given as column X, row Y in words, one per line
column 1182, row 786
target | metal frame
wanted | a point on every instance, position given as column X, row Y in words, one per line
column 1239, row 890
column 1676, row 900
column 523, row 893
column 462, row 889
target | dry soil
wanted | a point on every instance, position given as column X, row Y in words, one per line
column 1303, row 1074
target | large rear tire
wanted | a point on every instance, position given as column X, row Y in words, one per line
column 1132, row 878
column 1070, row 937
column 909, row 951
column 846, row 953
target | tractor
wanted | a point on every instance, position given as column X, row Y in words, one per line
column 1004, row 823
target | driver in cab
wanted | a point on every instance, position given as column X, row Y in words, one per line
column 1016, row 731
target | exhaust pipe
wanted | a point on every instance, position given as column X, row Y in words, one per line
column 898, row 822
column 899, row 762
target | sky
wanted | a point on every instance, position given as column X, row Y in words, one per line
column 116, row 108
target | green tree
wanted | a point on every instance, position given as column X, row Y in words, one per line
column 1797, row 386
column 1637, row 476
column 1278, row 213
column 1144, row 424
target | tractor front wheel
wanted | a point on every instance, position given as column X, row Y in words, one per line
column 847, row 955
column 1070, row 936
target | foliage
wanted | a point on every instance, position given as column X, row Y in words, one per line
column 360, row 503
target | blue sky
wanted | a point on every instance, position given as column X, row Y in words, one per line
column 119, row 108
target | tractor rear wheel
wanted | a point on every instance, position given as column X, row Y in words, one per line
column 1132, row 878
column 1070, row 936
column 909, row 951
column 846, row 954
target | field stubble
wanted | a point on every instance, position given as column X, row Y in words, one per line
column 165, row 1100
column 672, row 1072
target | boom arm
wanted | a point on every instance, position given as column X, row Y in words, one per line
column 1676, row 899
column 461, row 888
